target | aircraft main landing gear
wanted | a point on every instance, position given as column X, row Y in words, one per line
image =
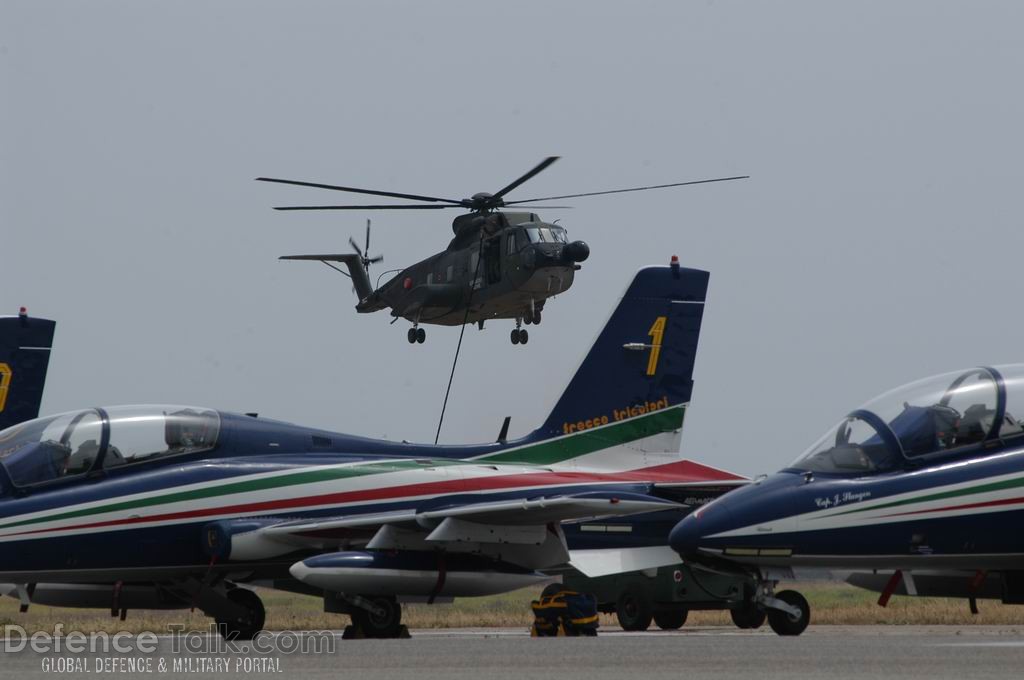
column 374, row 616
column 519, row 335
column 246, row 625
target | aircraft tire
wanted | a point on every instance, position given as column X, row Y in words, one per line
column 524, row 337
column 784, row 624
column 421, row 336
column 386, row 626
column 411, row 336
column 672, row 619
column 231, row 629
column 749, row 617
column 536, row 318
column 634, row 611
column 515, row 336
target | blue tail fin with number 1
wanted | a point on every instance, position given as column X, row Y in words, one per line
column 24, row 357
column 643, row 359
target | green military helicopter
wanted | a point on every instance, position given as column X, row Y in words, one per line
column 501, row 264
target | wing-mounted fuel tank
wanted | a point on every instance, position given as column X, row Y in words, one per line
column 409, row 573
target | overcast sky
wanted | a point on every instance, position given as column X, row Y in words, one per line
column 878, row 241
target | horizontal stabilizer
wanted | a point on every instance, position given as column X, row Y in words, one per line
column 344, row 257
column 607, row 561
column 353, row 261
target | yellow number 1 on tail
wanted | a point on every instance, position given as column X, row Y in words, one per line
column 5, row 384
column 657, row 332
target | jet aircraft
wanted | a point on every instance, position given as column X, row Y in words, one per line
column 926, row 477
column 157, row 506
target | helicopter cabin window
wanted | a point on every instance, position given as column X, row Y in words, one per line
column 510, row 244
column 521, row 239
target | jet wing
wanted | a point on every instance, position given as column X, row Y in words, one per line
column 519, row 521
column 517, row 512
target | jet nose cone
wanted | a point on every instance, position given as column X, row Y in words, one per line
column 686, row 537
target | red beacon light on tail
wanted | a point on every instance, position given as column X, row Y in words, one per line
column 674, row 263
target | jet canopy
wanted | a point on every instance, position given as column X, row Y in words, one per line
column 78, row 442
column 949, row 414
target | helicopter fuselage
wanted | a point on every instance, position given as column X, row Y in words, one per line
column 506, row 270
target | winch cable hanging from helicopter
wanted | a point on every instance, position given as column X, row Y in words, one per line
column 458, row 347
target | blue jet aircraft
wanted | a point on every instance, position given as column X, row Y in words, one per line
column 927, row 477
column 159, row 506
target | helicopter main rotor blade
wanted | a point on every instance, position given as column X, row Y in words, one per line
column 622, row 191
column 365, row 207
column 372, row 192
column 539, row 168
column 355, row 247
column 367, row 236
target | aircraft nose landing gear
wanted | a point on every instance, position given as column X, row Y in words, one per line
column 787, row 611
column 417, row 335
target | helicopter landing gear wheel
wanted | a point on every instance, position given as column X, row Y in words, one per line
column 536, row 318
column 412, row 336
column 421, row 335
column 519, row 335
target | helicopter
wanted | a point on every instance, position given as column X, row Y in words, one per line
column 501, row 264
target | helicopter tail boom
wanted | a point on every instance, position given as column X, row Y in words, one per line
column 354, row 262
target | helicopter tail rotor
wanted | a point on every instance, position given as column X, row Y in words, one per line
column 364, row 254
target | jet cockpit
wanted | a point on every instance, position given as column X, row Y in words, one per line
column 941, row 416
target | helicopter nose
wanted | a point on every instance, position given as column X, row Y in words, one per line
column 577, row 251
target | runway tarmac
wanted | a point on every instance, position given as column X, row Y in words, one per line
column 847, row 652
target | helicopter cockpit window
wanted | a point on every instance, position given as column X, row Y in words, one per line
column 546, row 235
column 46, row 449
column 140, row 433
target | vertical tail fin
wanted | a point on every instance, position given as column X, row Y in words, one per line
column 24, row 357
column 624, row 407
